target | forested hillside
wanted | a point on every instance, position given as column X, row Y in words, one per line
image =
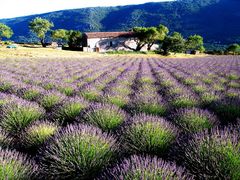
column 215, row 20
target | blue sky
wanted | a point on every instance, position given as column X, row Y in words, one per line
column 15, row 8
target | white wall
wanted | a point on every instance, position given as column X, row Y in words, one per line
column 117, row 44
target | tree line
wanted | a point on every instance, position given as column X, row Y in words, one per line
column 148, row 36
column 40, row 27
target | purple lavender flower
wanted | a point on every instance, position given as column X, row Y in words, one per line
column 148, row 134
column 50, row 99
column 139, row 167
column 77, row 152
column 37, row 133
column 194, row 119
column 15, row 165
column 70, row 109
column 5, row 139
column 107, row 117
column 18, row 114
column 213, row 155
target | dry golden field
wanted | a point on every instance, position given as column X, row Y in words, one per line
column 37, row 52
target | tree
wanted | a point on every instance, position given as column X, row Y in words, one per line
column 5, row 31
column 148, row 36
column 60, row 35
column 195, row 42
column 155, row 34
column 40, row 27
column 151, row 37
column 74, row 38
column 234, row 48
column 141, row 34
column 174, row 43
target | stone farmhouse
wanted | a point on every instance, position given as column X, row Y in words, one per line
column 110, row 41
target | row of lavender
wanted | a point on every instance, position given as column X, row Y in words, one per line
column 76, row 119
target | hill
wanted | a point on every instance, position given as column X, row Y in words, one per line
column 215, row 20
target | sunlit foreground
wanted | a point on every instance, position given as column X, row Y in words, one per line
column 118, row 117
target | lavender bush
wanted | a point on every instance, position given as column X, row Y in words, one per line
column 37, row 133
column 139, row 167
column 78, row 152
column 107, row 117
column 5, row 139
column 148, row 134
column 19, row 114
column 14, row 165
column 194, row 119
column 51, row 99
column 70, row 109
column 214, row 155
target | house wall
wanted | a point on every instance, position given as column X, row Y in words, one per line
column 112, row 44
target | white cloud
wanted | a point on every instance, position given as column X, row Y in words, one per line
column 14, row 8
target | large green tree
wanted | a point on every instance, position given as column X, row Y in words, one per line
column 174, row 43
column 74, row 38
column 233, row 49
column 148, row 36
column 61, row 35
column 156, row 34
column 5, row 31
column 195, row 42
column 71, row 37
column 40, row 27
column 141, row 35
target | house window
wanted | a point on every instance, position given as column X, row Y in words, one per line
column 110, row 43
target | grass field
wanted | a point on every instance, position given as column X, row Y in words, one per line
column 72, row 115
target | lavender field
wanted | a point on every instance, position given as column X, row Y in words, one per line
column 120, row 118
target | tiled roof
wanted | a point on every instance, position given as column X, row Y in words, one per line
column 108, row 34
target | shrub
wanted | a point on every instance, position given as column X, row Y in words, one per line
column 139, row 167
column 67, row 90
column 70, row 109
column 207, row 80
column 5, row 86
column 194, row 120
column 167, row 83
column 107, row 117
column 90, row 93
column 121, row 90
column 233, row 85
column 5, row 139
column 175, row 91
column 48, row 86
column 19, row 114
column 3, row 99
column 184, row 101
column 148, row 134
column 214, row 155
column 199, row 89
column 233, row 76
column 78, row 152
column 37, row 133
column 14, row 165
column 51, row 99
column 116, row 99
column 31, row 94
column 227, row 109
column 152, row 105
column 151, row 108
column 209, row 98
column 189, row 81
